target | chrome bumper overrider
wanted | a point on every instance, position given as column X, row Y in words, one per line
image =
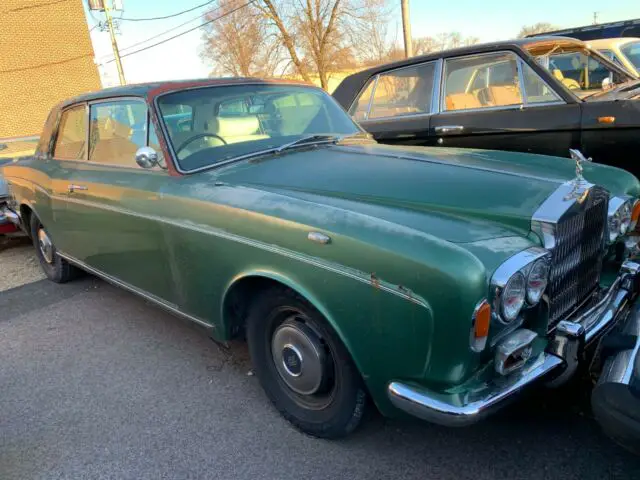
column 559, row 361
column 8, row 216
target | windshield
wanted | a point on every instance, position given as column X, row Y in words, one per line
column 632, row 52
column 214, row 124
column 581, row 70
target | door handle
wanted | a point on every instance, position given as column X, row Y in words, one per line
column 72, row 188
column 449, row 129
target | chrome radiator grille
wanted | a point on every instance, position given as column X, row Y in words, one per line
column 576, row 258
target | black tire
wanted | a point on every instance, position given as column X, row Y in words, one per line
column 338, row 406
column 57, row 270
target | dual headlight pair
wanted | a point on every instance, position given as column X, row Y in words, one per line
column 520, row 281
column 622, row 217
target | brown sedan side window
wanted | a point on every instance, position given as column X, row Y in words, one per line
column 406, row 91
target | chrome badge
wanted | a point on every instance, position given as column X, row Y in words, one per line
column 579, row 191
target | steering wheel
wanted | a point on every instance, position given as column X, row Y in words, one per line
column 198, row 137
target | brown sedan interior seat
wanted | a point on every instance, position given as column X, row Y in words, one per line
column 504, row 95
column 462, row 101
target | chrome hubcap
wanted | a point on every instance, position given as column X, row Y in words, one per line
column 298, row 357
column 45, row 245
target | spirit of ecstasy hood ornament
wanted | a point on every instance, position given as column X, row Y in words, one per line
column 579, row 158
column 578, row 192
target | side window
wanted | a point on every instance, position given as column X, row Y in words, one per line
column 481, row 81
column 360, row 108
column 71, row 140
column 117, row 130
column 406, row 91
column 536, row 89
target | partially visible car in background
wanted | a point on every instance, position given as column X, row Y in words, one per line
column 541, row 95
column 623, row 51
column 12, row 148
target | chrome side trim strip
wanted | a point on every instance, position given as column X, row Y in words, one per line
column 457, row 410
column 332, row 267
column 147, row 296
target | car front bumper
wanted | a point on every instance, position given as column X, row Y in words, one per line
column 557, row 362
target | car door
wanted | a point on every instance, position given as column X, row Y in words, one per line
column 498, row 101
column 115, row 204
column 52, row 174
column 395, row 106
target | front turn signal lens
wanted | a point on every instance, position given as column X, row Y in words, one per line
column 481, row 323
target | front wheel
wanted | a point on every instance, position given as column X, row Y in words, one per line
column 54, row 267
column 303, row 366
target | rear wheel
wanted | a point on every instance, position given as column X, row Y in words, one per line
column 55, row 267
column 302, row 365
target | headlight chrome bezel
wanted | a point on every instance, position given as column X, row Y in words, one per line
column 520, row 263
column 619, row 218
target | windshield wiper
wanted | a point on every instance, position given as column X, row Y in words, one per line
column 310, row 140
column 307, row 140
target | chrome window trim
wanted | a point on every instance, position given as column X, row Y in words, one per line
column 373, row 93
column 435, row 92
column 437, row 86
column 373, row 79
column 523, row 89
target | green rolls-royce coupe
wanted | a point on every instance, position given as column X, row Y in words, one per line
column 436, row 282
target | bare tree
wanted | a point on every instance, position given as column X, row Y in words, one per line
column 540, row 27
column 442, row 41
column 239, row 43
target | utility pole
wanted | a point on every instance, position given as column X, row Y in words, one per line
column 595, row 18
column 114, row 43
column 406, row 29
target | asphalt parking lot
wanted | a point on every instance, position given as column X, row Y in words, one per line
column 97, row 383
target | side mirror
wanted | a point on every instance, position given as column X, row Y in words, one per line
column 146, row 157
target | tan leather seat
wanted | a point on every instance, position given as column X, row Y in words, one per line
column 462, row 101
column 570, row 83
column 236, row 129
column 505, row 95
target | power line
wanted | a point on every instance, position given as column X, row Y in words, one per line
column 186, row 31
column 128, row 47
column 166, row 16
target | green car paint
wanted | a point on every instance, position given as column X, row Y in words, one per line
column 415, row 235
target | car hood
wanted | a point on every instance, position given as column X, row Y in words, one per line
column 456, row 195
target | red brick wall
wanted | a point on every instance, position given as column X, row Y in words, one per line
column 45, row 56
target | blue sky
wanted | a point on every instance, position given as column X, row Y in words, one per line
column 486, row 19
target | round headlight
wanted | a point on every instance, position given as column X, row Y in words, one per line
column 614, row 226
column 537, row 281
column 625, row 217
column 513, row 297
